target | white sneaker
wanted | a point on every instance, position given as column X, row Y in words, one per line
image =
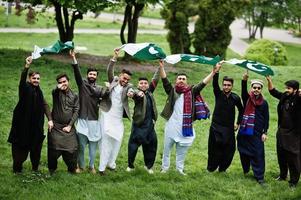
column 150, row 171
column 128, row 169
column 181, row 172
column 163, row 171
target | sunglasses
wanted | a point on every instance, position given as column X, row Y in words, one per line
column 256, row 88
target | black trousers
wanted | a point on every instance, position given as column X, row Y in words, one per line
column 20, row 154
column 70, row 159
column 288, row 161
column 257, row 163
column 149, row 151
column 220, row 154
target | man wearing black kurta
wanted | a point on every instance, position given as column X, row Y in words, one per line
column 143, row 130
column 62, row 140
column 221, row 143
column 289, row 130
column 26, row 134
column 253, row 129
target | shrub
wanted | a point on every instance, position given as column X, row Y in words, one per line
column 268, row 52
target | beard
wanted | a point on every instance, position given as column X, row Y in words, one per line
column 91, row 80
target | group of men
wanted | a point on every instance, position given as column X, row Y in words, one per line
column 98, row 113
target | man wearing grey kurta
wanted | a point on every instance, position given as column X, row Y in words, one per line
column 88, row 125
column 174, row 113
column 62, row 139
column 114, row 109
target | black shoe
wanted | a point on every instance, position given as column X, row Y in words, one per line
column 101, row 173
column 292, row 185
column 261, row 182
column 279, row 178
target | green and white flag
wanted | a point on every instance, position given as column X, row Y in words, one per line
column 55, row 48
column 254, row 66
column 175, row 58
column 144, row 51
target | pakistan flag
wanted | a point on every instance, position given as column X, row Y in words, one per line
column 175, row 58
column 144, row 51
column 55, row 48
column 254, row 66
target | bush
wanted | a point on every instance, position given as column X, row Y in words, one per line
column 267, row 52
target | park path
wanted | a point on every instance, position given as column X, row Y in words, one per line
column 238, row 31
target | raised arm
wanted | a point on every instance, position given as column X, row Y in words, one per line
column 244, row 90
column 216, row 88
column 197, row 88
column 77, row 75
column 272, row 90
column 22, row 83
column 154, row 82
column 166, row 84
column 110, row 68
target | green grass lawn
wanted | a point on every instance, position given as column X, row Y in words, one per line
column 198, row 184
column 46, row 20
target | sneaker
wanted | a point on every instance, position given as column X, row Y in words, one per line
column 292, row 185
column 128, row 169
column 111, row 169
column 261, row 182
column 92, row 170
column 150, row 171
column 163, row 171
column 279, row 178
column 101, row 173
column 181, row 172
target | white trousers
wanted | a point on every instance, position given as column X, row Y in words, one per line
column 180, row 154
column 109, row 149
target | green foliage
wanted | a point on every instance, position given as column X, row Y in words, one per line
column 176, row 15
column 268, row 52
column 212, row 34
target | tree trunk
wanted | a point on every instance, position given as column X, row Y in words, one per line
column 138, row 8
column 127, row 10
column 59, row 21
column 75, row 16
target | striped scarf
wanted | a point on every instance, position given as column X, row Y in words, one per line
column 201, row 109
column 248, row 120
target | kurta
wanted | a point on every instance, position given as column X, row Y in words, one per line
column 173, row 127
column 27, row 128
column 111, row 121
column 65, row 112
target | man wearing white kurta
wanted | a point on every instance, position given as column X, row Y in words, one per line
column 173, row 112
column 114, row 109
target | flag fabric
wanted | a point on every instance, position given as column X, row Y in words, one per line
column 144, row 51
column 175, row 58
column 254, row 66
column 55, row 48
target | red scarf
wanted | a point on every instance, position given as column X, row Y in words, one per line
column 248, row 121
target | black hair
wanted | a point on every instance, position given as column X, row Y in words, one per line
column 92, row 69
column 32, row 73
column 227, row 78
column 293, row 84
column 58, row 77
column 143, row 79
column 125, row 71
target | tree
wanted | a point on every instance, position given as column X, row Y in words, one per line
column 176, row 14
column 212, row 34
column 67, row 12
column 132, row 12
column 294, row 9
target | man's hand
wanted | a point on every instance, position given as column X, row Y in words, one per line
column 116, row 53
column 28, row 61
column 67, row 129
column 269, row 79
column 140, row 94
column 72, row 54
column 50, row 125
column 161, row 63
column 130, row 93
column 236, row 127
column 218, row 66
column 264, row 137
column 245, row 76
